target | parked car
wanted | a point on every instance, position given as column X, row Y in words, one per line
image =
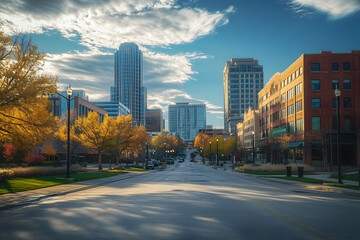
column 149, row 165
column 155, row 162
column 170, row 161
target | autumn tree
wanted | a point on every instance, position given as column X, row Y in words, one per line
column 25, row 119
column 201, row 140
column 125, row 137
column 93, row 133
column 165, row 142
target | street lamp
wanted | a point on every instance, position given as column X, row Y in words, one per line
column 253, row 146
column 68, row 157
column 217, row 151
column 69, row 92
column 210, row 154
column 337, row 94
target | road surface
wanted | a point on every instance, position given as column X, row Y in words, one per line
column 188, row 201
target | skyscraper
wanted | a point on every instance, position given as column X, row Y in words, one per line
column 128, row 87
column 186, row 119
column 243, row 79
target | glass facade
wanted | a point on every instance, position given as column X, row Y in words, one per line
column 243, row 79
column 128, row 86
column 186, row 119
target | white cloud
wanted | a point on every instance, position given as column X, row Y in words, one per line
column 149, row 22
column 335, row 8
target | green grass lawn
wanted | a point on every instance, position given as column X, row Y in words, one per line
column 353, row 177
column 317, row 181
column 136, row 169
column 24, row 184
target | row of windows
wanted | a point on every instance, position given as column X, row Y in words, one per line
column 290, row 93
column 246, row 68
column 315, row 67
column 315, row 84
column 245, row 76
column 245, row 86
column 316, row 102
column 292, row 77
column 242, row 101
column 316, row 122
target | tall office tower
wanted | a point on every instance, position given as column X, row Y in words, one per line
column 186, row 119
column 128, row 88
column 154, row 120
column 243, row 79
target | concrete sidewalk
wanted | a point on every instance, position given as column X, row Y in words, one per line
column 319, row 187
column 11, row 200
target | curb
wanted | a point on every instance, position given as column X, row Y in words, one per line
column 322, row 188
column 39, row 198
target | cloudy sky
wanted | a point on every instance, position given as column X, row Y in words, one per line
column 185, row 43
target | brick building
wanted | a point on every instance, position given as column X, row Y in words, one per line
column 298, row 107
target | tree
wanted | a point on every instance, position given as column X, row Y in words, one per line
column 25, row 119
column 201, row 140
column 93, row 133
column 125, row 137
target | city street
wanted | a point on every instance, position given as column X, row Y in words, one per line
column 188, row 201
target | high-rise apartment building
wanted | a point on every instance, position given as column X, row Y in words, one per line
column 128, row 86
column 243, row 79
column 186, row 119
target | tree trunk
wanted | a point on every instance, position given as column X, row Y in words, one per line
column 100, row 155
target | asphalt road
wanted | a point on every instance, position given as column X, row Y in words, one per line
column 188, row 201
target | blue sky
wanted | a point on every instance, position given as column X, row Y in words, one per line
column 185, row 43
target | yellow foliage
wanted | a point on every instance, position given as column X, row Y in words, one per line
column 25, row 119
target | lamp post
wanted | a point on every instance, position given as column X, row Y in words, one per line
column 210, row 154
column 253, row 146
column 147, row 151
column 337, row 94
column 217, row 151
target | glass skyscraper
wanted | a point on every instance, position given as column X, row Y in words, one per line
column 243, row 79
column 186, row 119
column 128, row 87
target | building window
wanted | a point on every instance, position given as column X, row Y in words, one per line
column 283, row 97
column 291, row 127
column 298, row 106
column 315, row 123
column 333, row 102
column 315, row 84
column 348, row 123
column 275, row 116
column 283, row 113
column 263, row 109
column 298, row 88
column 290, row 109
column 315, row 67
column 335, row 84
column 290, row 93
column 335, row 67
column 315, row 103
column 301, row 70
column 299, row 125
column 347, row 102
column 346, row 66
column 347, row 84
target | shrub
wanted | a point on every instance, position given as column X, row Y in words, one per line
column 8, row 152
column 33, row 159
column 44, row 171
column 5, row 174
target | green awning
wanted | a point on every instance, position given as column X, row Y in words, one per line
column 295, row 144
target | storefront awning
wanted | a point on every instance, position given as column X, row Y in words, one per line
column 295, row 144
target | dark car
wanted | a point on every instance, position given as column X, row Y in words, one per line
column 170, row 161
column 149, row 165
